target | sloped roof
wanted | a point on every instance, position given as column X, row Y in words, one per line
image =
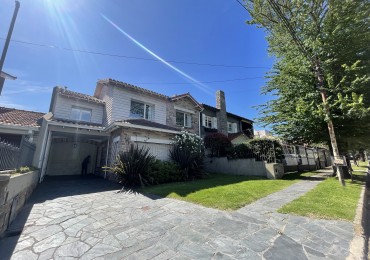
column 148, row 123
column 73, row 94
column 229, row 114
column 130, row 86
column 17, row 117
column 176, row 97
column 76, row 123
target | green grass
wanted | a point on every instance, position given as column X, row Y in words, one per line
column 226, row 192
column 362, row 166
column 328, row 200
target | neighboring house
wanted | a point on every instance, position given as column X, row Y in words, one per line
column 262, row 133
column 119, row 114
column 19, row 131
column 16, row 124
column 217, row 119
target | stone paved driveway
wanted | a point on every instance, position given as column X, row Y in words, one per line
column 88, row 219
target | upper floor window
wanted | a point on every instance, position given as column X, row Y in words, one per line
column 209, row 122
column 141, row 110
column 232, row 127
column 81, row 114
column 183, row 119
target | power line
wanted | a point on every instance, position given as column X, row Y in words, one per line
column 134, row 57
column 205, row 82
column 242, row 5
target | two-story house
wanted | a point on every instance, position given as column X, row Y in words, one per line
column 217, row 119
column 105, row 124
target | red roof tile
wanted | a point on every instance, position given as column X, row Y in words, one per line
column 73, row 94
column 12, row 116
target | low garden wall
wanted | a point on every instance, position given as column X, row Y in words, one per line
column 248, row 167
column 15, row 189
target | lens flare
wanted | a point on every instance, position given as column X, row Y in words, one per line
column 195, row 82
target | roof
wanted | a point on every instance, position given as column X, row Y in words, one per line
column 77, row 123
column 176, row 97
column 232, row 136
column 229, row 114
column 148, row 123
column 130, row 86
column 72, row 94
column 12, row 116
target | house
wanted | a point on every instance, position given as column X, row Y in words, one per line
column 19, row 131
column 102, row 125
column 217, row 119
column 262, row 133
column 16, row 124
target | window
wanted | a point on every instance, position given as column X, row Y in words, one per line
column 232, row 127
column 209, row 122
column 81, row 114
column 141, row 110
column 183, row 119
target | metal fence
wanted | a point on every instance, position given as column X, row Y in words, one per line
column 12, row 157
column 301, row 158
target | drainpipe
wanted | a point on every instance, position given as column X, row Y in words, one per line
column 106, row 160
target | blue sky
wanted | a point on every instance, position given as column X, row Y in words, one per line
column 193, row 31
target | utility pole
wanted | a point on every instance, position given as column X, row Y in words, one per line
column 6, row 45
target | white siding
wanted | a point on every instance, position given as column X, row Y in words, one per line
column 160, row 151
column 122, row 102
column 63, row 107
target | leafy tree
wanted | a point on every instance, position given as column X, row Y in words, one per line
column 321, row 73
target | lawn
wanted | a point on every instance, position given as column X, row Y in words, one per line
column 226, row 192
column 328, row 200
column 361, row 167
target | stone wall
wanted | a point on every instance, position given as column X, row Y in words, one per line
column 15, row 189
column 247, row 167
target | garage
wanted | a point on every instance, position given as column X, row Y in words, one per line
column 160, row 151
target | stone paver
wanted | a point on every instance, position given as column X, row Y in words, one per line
column 88, row 219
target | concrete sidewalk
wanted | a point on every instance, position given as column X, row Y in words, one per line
column 88, row 219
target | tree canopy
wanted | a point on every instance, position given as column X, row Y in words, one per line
column 336, row 33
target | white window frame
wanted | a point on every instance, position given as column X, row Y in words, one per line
column 232, row 127
column 80, row 111
column 208, row 121
column 145, row 115
column 187, row 123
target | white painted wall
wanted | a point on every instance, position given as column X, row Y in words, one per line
column 20, row 182
column 65, row 159
column 63, row 108
column 249, row 167
column 121, row 104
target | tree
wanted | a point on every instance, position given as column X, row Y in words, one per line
column 321, row 74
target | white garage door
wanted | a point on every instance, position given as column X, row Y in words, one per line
column 160, row 151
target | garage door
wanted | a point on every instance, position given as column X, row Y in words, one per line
column 160, row 151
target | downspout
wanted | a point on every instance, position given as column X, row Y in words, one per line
column 106, row 160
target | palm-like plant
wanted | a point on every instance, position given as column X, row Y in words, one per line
column 132, row 166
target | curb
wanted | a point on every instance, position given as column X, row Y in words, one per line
column 358, row 248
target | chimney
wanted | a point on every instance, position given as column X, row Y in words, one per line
column 221, row 114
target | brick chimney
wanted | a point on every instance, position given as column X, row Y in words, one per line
column 221, row 115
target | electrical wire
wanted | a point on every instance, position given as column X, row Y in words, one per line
column 134, row 57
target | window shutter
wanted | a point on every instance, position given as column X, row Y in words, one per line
column 214, row 123
column 189, row 120
column 234, row 128
column 203, row 119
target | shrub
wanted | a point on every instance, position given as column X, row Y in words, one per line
column 132, row 166
column 267, row 149
column 218, row 143
column 187, row 151
column 242, row 151
column 163, row 172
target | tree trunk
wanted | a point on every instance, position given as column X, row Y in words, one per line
column 333, row 140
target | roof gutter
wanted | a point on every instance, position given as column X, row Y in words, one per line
column 114, row 125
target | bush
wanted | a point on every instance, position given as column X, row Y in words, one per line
column 218, row 143
column 242, row 151
column 132, row 166
column 163, row 172
column 187, row 152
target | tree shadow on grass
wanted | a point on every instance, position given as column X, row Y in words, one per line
column 183, row 189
